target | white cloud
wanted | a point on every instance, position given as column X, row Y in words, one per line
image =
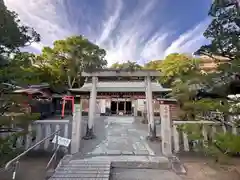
column 125, row 37
column 190, row 40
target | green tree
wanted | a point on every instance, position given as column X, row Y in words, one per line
column 13, row 34
column 20, row 69
column 129, row 65
column 224, row 30
column 177, row 67
column 224, row 35
column 155, row 64
column 69, row 57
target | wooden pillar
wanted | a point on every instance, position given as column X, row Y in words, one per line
column 76, row 126
column 166, row 129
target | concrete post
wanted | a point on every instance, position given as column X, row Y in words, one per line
column 151, row 123
column 166, row 130
column 76, row 126
column 92, row 110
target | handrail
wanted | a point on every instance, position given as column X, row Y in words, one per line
column 54, row 156
column 29, row 149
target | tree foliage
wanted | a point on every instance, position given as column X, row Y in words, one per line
column 69, row 57
column 224, row 30
column 13, row 34
column 178, row 67
column 155, row 64
column 224, row 36
column 129, row 65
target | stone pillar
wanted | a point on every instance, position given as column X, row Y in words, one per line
column 145, row 111
column 117, row 108
column 135, row 107
column 150, row 115
column 124, row 110
column 166, row 129
column 76, row 126
column 92, row 110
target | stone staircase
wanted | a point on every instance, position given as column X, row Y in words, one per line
column 100, row 167
column 83, row 169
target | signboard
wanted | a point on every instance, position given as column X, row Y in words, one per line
column 61, row 141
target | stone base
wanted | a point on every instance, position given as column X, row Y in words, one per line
column 154, row 138
column 89, row 134
column 144, row 121
column 153, row 134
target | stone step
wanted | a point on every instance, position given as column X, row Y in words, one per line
column 82, row 169
column 140, row 162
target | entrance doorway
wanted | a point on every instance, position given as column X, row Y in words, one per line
column 114, row 107
column 121, row 107
column 128, row 107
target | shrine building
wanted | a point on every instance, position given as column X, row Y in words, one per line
column 120, row 92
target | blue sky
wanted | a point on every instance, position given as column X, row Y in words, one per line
column 135, row 30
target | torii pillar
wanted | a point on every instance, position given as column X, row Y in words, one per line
column 150, row 114
column 92, row 110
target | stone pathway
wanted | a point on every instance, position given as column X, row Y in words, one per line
column 119, row 151
column 117, row 135
column 142, row 174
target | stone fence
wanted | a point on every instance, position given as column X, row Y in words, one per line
column 40, row 129
column 182, row 143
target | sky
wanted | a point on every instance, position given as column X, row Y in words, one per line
column 134, row 30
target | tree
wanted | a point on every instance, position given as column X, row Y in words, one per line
column 224, row 30
column 224, row 36
column 129, row 65
column 153, row 65
column 13, row 35
column 177, row 67
column 20, row 70
column 69, row 57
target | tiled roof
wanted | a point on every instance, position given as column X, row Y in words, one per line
column 121, row 87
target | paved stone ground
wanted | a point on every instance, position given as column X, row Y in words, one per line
column 29, row 168
column 120, row 144
column 119, row 135
column 142, row 174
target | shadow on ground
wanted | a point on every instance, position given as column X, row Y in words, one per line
column 100, row 132
column 33, row 166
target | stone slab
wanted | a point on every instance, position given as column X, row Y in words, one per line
column 83, row 169
column 143, row 174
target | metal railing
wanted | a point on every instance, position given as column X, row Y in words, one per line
column 15, row 162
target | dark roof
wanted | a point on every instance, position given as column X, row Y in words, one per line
column 123, row 69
